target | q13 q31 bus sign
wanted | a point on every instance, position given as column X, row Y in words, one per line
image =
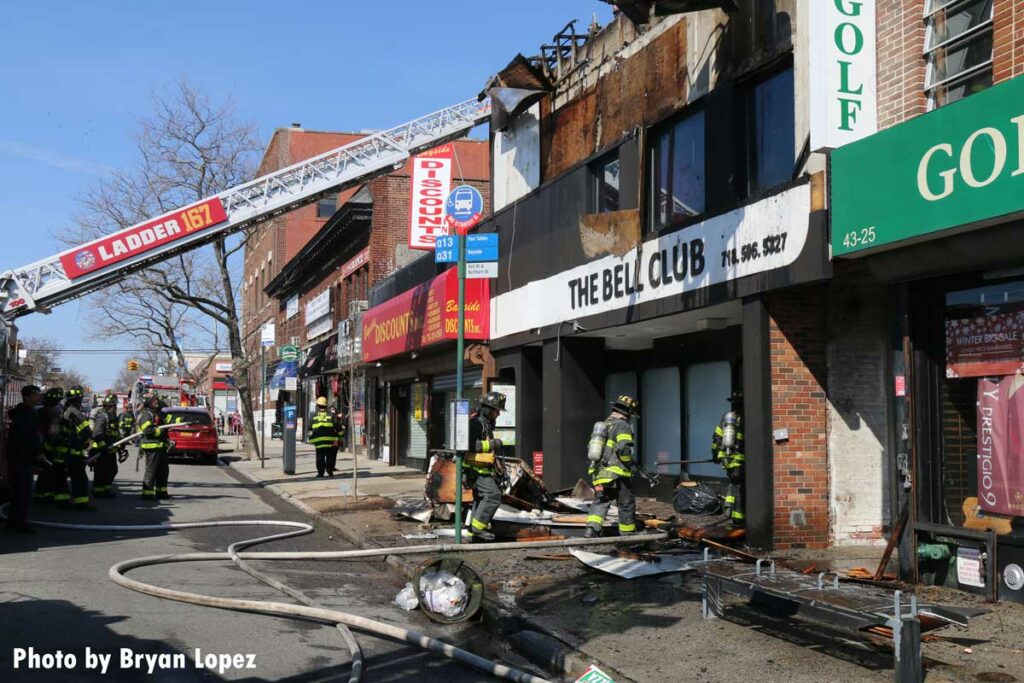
column 464, row 209
column 431, row 180
column 139, row 239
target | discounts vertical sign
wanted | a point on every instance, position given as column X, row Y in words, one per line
column 431, row 183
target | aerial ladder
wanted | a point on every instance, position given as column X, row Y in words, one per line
column 40, row 286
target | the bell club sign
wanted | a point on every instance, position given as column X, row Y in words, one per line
column 464, row 209
column 141, row 238
column 431, row 180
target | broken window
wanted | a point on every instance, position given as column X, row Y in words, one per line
column 677, row 172
column 606, row 184
column 771, row 128
column 958, row 49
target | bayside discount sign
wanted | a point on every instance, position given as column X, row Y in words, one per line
column 843, row 96
column 763, row 236
column 431, row 181
column 141, row 238
column 953, row 167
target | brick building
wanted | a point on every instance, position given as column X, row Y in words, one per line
column 366, row 238
column 663, row 234
column 924, row 354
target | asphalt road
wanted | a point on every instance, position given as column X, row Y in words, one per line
column 55, row 596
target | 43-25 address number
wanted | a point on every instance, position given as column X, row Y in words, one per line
column 858, row 238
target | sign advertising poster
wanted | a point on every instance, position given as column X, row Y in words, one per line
column 430, row 184
column 1001, row 444
column 984, row 341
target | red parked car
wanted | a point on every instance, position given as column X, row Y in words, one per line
column 196, row 436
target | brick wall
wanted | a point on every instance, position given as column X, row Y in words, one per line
column 859, row 464
column 901, row 65
column 1008, row 40
column 798, row 370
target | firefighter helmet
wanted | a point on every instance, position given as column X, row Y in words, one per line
column 75, row 392
column 110, row 400
column 736, row 398
column 322, row 401
column 54, row 394
column 494, row 400
column 627, row 405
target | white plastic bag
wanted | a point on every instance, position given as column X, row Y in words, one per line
column 406, row 598
column 444, row 593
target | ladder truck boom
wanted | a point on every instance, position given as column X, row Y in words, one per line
column 96, row 264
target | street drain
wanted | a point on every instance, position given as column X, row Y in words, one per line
column 994, row 677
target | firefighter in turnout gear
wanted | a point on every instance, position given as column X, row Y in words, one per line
column 728, row 450
column 154, row 445
column 77, row 437
column 324, row 437
column 613, row 472
column 126, row 423
column 51, row 485
column 483, row 467
column 105, row 434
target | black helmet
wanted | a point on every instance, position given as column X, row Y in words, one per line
column 54, row 394
column 736, row 399
column 110, row 400
column 75, row 392
column 627, row 405
column 494, row 399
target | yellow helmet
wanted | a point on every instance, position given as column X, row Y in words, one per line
column 322, row 401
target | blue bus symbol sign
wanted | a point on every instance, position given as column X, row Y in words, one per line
column 464, row 209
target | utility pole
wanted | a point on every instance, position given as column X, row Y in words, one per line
column 263, row 406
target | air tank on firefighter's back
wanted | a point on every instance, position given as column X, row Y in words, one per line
column 598, row 437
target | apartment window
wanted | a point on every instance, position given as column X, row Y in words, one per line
column 326, row 206
column 606, row 183
column 771, row 129
column 677, row 171
column 958, row 49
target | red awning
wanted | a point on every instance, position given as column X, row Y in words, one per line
column 426, row 315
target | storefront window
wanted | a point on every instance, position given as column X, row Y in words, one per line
column 660, row 406
column 983, row 403
column 708, row 387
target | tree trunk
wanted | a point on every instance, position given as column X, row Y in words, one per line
column 240, row 364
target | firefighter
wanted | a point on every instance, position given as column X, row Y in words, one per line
column 105, row 434
column 728, row 450
column 483, row 465
column 77, row 437
column 51, row 485
column 154, row 444
column 126, row 423
column 324, row 437
column 612, row 474
column 25, row 452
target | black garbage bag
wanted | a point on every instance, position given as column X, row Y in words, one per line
column 695, row 498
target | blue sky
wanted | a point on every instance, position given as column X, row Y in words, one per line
column 76, row 76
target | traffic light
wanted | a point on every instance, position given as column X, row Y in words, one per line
column 133, row 365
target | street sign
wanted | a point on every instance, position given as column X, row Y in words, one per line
column 267, row 334
column 481, row 271
column 460, row 425
column 446, row 249
column 464, row 208
column 594, row 675
column 482, row 247
column 289, row 353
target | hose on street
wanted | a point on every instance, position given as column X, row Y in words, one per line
column 310, row 610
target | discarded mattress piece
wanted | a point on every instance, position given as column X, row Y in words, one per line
column 419, row 510
column 629, row 568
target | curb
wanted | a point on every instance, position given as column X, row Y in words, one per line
column 495, row 616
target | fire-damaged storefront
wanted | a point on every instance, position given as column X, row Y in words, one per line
column 928, row 214
column 409, row 356
column 639, row 258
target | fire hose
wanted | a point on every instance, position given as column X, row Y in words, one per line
column 309, row 610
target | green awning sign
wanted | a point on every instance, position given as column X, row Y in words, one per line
column 288, row 353
column 955, row 167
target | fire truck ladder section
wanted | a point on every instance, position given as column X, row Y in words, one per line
column 47, row 283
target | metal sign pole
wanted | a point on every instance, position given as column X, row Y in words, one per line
column 460, row 352
column 263, row 406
